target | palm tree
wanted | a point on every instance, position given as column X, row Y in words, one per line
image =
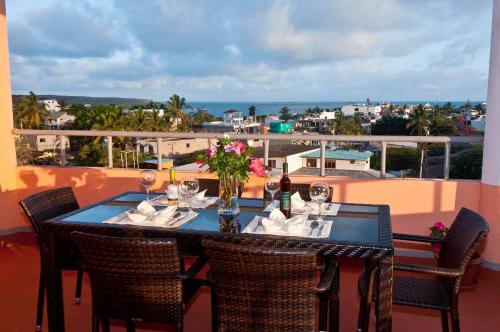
column 447, row 108
column 285, row 114
column 157, row 122
column 138, row 121
column 419, row 124
column 31, row 112
column 479, row 107
column 201, row 116
column 175, row 105
column 252, row 111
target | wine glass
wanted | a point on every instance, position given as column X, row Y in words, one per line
column 148, row 178
column 319, row 192
column 189, row 187
column 272, row 185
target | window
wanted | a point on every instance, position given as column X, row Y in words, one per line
column 311, row 163
column 188, row 145
column 42, row 140
column 330, row 163
column 272, row 162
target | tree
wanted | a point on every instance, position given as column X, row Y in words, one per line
column 442, row 126
column 252, row 111
column 447, row 108
column 62, row 104
column 138, row 121
column 175, row 105
column 285, row 114
column 419, row 124
column 201, row 116
column 468, row 165
column 30, row 113
column 480, row 108
column 390, row 125
column 347, row 126
column 157, row 122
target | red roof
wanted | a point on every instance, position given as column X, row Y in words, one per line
column 232, row 111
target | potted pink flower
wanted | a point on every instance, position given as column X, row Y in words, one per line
column 438, row 230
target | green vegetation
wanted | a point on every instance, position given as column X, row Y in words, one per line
column 348, row 125
column 398, row 159
column 29, row 113
column 468, row 165
column 252, row 111
column 201, row 116
column 285, row 114
column 390, row 125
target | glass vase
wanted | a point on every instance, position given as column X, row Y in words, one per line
column 229, row 208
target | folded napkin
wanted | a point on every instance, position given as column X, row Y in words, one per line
column 278, row 224
column 145, row 208
column 297, row 202
column 198, row 201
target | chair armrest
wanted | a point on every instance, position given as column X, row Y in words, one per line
column 416, row 238
column 194, row 269
column 428, row 269
column 328, row 277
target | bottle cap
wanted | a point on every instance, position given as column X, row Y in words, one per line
column 172, row 174
column 285, row 167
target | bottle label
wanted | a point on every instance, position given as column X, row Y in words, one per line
column 285, row 201
column 172, row 192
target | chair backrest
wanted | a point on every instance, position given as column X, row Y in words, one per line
column 48, row 204
column 212, row 187
column 262, row 288
column 133, row 278
column 463, row 237
column 303, row 189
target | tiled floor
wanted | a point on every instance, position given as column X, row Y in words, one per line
column 19, row 268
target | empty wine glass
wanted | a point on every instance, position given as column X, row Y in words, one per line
column 148, row 178
column 319, row 192
column 189, row 187
column 272, row 185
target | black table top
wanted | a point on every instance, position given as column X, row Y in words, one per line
column 355, row 224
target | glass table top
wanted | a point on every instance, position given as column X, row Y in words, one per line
column 353, row 223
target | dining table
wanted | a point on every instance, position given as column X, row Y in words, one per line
column 359, row 231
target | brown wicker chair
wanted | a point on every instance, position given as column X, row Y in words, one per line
column 136, row 279
column 257, row 289
column 441, row 293
column 43, row 206
column 212, row 187
column 303, row 189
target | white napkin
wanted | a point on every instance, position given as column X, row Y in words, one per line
column 145, row 208
column 164, row 215
column 199, row 196
column 297, row 202
column 277, row 224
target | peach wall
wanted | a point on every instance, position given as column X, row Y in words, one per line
column 490, row 210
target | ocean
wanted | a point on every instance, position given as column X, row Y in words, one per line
column 218, row 108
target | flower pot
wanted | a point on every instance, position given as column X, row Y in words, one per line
column 436, row 249
column 229, row 208
column 469, row 280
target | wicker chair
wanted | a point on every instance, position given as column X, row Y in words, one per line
column 303, row 189
column 136, row 279
column 43, row 206
column 441, row 293
column 257, row 289
column 212, row 187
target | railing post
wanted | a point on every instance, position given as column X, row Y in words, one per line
column 322, row 161
column 266, row 152
column 110, row 151
column 158, row 152
column 62, row 151
column 447, row 149
column 383, row 159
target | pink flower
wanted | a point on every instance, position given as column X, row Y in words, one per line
column 228, row 148
column 200, row 163
column 440, row 226
column 256, row 167
column 211, row 152
column 239, row 147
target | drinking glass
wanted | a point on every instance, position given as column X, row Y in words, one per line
column 272, row 185
column 148, row 178
column 319, row 192
column 189, row 187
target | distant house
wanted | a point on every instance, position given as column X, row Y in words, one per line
column 51, row 105
column 172, row 146
column 233, row 121
column 280, row 153
column 352, row 109
column 319, row 122
column 57, row 119
column 47, row 142
column 339, row 159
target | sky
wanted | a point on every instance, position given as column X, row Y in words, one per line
column 260, row 50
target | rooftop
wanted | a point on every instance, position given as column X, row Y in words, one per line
column 341, row 155
column 314, row 171
column 281, row 150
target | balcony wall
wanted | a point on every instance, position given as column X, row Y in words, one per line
column 415, row 204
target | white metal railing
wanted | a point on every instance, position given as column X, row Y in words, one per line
column 323, row 139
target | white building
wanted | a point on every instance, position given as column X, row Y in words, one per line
column 172, row 147
column 233, row 118
column 47, row 142
column 479, row 123
column 339, row 159
column 280, row 153
column 57, row 119
column 351, row 109
column 51, row 105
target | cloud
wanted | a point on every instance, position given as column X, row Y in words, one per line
column 255, row 50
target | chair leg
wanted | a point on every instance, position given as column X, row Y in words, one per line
column 40, row 300
column 105, row 324
column 213, row 304
column 444, row 320
column 455, row 322
column 130, row 326
column 95, row 323
column 78, row 291
column 333, row 299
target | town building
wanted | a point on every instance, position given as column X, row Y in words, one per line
column 318, row 122
column 233, row 121
column 57, row 119
column 351, row 160
column 47, row 142
column 51, row 105
column 365, row 109
column 172, row 147
column 285, row 152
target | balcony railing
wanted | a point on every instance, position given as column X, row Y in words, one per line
column 267, row 138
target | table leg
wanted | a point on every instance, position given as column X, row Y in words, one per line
column 53, row 282
column 384, row 307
